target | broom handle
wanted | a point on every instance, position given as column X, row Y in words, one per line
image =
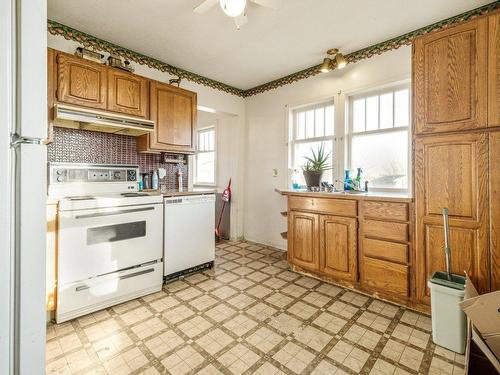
column 447, row 249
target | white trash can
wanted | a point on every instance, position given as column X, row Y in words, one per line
column 449, row 323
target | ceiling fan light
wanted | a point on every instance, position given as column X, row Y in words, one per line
column 326, row 66
column 340, row 60
column 233, row 8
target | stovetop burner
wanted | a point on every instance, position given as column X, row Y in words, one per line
column 134, row 194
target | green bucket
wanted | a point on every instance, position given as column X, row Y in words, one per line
column 441, row 278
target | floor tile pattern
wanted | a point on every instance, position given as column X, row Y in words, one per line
column 249, row 315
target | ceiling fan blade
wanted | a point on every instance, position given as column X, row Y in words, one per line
column 240, row 20
column 273, row 4
column 205, row 6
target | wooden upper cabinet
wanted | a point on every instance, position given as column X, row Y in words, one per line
column 81, row 82
column 450, row 78
column 494, row 70
column 494, row 163
column 303, row 241
column 452, row 171
column 174, row 112
column 128, row 93
column 338, row 247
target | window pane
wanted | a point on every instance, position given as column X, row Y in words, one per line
column 401, row 108
column 205, row 167
column 301, row 125
column 319, row 122
column 211, row 140
column 201, row 142
column 310, row 124
column 329, row 120
column 386, row 108
column 372, row 113
column 358, row 115
column 304, row 149
column 383, row 157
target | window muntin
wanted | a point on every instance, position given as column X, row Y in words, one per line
column 312, row 126
column 205, row 157
column 378, row 139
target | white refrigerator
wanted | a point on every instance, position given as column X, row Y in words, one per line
column 23, row 127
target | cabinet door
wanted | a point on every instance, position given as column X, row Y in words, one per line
column 338, row 247
column 174, row 112
column 450, row 78
column 127, row 93
column 81, row 82
column 494, row 70
column 495, row 209
column 303, row 241
column 452, row 171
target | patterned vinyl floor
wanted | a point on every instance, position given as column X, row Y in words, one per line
column 249, row 315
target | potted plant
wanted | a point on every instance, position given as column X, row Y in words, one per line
column 316, row 164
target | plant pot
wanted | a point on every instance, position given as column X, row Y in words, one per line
column 313, row 178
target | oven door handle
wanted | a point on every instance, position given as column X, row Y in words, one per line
column 119, row 212
column 122, row 277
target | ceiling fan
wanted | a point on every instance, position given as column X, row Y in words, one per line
column 236, row 8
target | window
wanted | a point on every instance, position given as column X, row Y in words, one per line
column 204, row 169
column 378, row 137
column 311, row 127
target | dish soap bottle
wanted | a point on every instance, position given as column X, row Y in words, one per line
column 358, row 179
column 179, row 179
column 155, row 180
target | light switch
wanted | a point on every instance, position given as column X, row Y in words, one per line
column 275, row 172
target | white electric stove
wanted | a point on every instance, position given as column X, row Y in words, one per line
column 110, row 237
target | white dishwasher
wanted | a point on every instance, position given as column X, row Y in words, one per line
column 189, row 240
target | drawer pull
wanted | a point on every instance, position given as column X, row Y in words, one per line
column 123, row 277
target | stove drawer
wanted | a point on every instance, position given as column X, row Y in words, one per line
column 82, row 298
column 100, row 241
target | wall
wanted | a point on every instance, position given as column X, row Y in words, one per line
column 81, row 146
column 267, row 129
column 231, row 157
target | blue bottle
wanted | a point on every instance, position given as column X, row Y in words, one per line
column 347, row 181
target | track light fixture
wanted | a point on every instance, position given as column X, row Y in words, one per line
column 336, row 61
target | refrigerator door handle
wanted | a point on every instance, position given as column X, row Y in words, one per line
column 17, row 140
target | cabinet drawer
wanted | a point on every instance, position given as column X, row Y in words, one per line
column 340, row 207
column 386, row 210
column 392, row 251
column 385, row 276
column 385, row 230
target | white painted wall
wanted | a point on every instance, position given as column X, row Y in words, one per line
column 267, row 129
column 231, row 132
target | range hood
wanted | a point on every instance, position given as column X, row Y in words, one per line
column 68, row 116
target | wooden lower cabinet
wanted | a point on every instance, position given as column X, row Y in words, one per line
column 452, row 171
column 303, row 240
column 387, row 277
column 338, row 247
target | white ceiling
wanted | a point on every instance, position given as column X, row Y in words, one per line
column 273, row 44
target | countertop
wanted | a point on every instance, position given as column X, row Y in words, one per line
column 175, row 193
column 379, row 196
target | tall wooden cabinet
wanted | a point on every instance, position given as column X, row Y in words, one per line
column 456, row 76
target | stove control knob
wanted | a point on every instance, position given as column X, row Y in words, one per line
column 60, row 178
column 59, row 172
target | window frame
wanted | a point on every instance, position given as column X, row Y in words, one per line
column 397, row 86
column 196, row 182
column 293, row 140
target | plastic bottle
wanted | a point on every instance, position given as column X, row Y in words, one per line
column 155, row 180
column 358, row 179
column 179, row 179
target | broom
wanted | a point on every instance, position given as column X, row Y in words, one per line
column 226, row 197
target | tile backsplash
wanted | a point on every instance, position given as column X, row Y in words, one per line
column 83, row 146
